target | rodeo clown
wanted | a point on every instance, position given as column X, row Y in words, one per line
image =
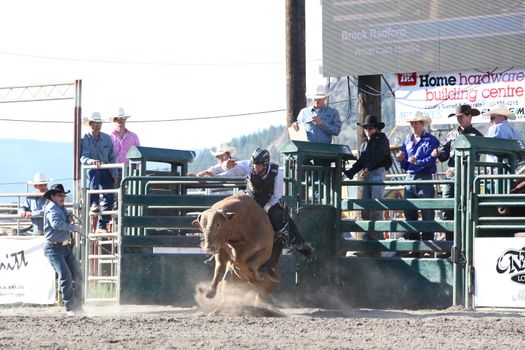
column 265, row 184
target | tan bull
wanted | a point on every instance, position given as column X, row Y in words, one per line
column 239, row 233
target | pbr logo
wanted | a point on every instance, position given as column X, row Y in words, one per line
column 407, row 79
column 512, row 262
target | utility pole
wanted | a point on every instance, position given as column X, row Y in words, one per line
column 369, row 100
column 295, row 59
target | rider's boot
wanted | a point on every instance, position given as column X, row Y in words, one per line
column 269, row 267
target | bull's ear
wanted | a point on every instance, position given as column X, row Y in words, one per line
column 195, row 223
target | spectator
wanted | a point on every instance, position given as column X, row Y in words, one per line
column 265, row 184
column 221, row 154
column 122, row 139
column 97, row 149
column 373, row 163
column 34, row 206
column 415, row 157
column 445, row 152
column 320, row 121
column 501, row 128
column 58, row 250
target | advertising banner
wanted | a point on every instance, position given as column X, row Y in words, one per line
column 26, row 276
column 437, row 94
column 500, row 272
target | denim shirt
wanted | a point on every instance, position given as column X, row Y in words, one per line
column 100, row 148
column 36, row 206
column 320, row 133
column 504, row 130
column 56, row 227
column 422, row 150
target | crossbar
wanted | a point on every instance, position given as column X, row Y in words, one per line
column 397, row 204
column 397, row 226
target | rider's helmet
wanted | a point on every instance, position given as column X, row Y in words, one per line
column 261, row 156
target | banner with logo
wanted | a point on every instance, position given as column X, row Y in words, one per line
column 26, row 276
column 438, row 93
column 500, row 272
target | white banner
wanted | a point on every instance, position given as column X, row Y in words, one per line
column 499, row 272
column 438, row 94
column 26, row 276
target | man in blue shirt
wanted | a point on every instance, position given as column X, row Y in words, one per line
column 320, row 121
column 416, row 159
column 58, row 250
column 34, row 206
column 501, row 128
column 97, row 149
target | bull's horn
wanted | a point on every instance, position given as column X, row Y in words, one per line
column 227, row 215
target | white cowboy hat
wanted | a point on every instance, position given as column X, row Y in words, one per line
column 220, row 150
column 501, row 110
column 419, row 117
column 121, row 114
column 95, row 117
column 39, row 179
column 321, row 91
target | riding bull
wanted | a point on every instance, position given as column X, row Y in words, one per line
column 239, row 234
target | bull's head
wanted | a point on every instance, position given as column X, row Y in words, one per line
column 211, row 222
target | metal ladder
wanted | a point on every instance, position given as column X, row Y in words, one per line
column 101, row 251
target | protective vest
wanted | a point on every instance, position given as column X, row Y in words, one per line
column 262, row 189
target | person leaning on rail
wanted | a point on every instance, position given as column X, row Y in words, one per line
column 34, row 206
column 445, row 152
column 58, row 249
column 415, row 157
column 97, row 149
column 372, row 165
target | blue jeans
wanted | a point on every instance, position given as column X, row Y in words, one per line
column 373, row 192
column 68, row 270
column 101, row 179
column 419, row 191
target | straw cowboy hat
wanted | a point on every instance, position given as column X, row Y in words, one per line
column 464, row 110
column 220, row 150
column 371, row 120
column 39, row 179
column 501, row 110
column 321, row 91
column 95, row 117
column 56, row 188
column 121, row 114
column 419, row 117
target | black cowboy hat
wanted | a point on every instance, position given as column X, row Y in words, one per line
column 371, row 120
column 56, row 188
column 465, row 109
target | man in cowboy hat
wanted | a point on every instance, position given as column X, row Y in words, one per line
column 122, row 139
column 97, row 149
column 500, row 126
column 320, row 121
column 34, row 206
column 416, row 159
column 373, row 162
column 58, row 250
column 222, row 154
column 445, row 152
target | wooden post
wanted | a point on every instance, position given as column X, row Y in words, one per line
column 369, row 100
column 295, row 59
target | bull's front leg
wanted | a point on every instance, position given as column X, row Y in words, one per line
column 221, row 260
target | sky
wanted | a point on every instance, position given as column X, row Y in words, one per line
column 159, row 60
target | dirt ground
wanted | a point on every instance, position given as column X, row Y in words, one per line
column 166, row 327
